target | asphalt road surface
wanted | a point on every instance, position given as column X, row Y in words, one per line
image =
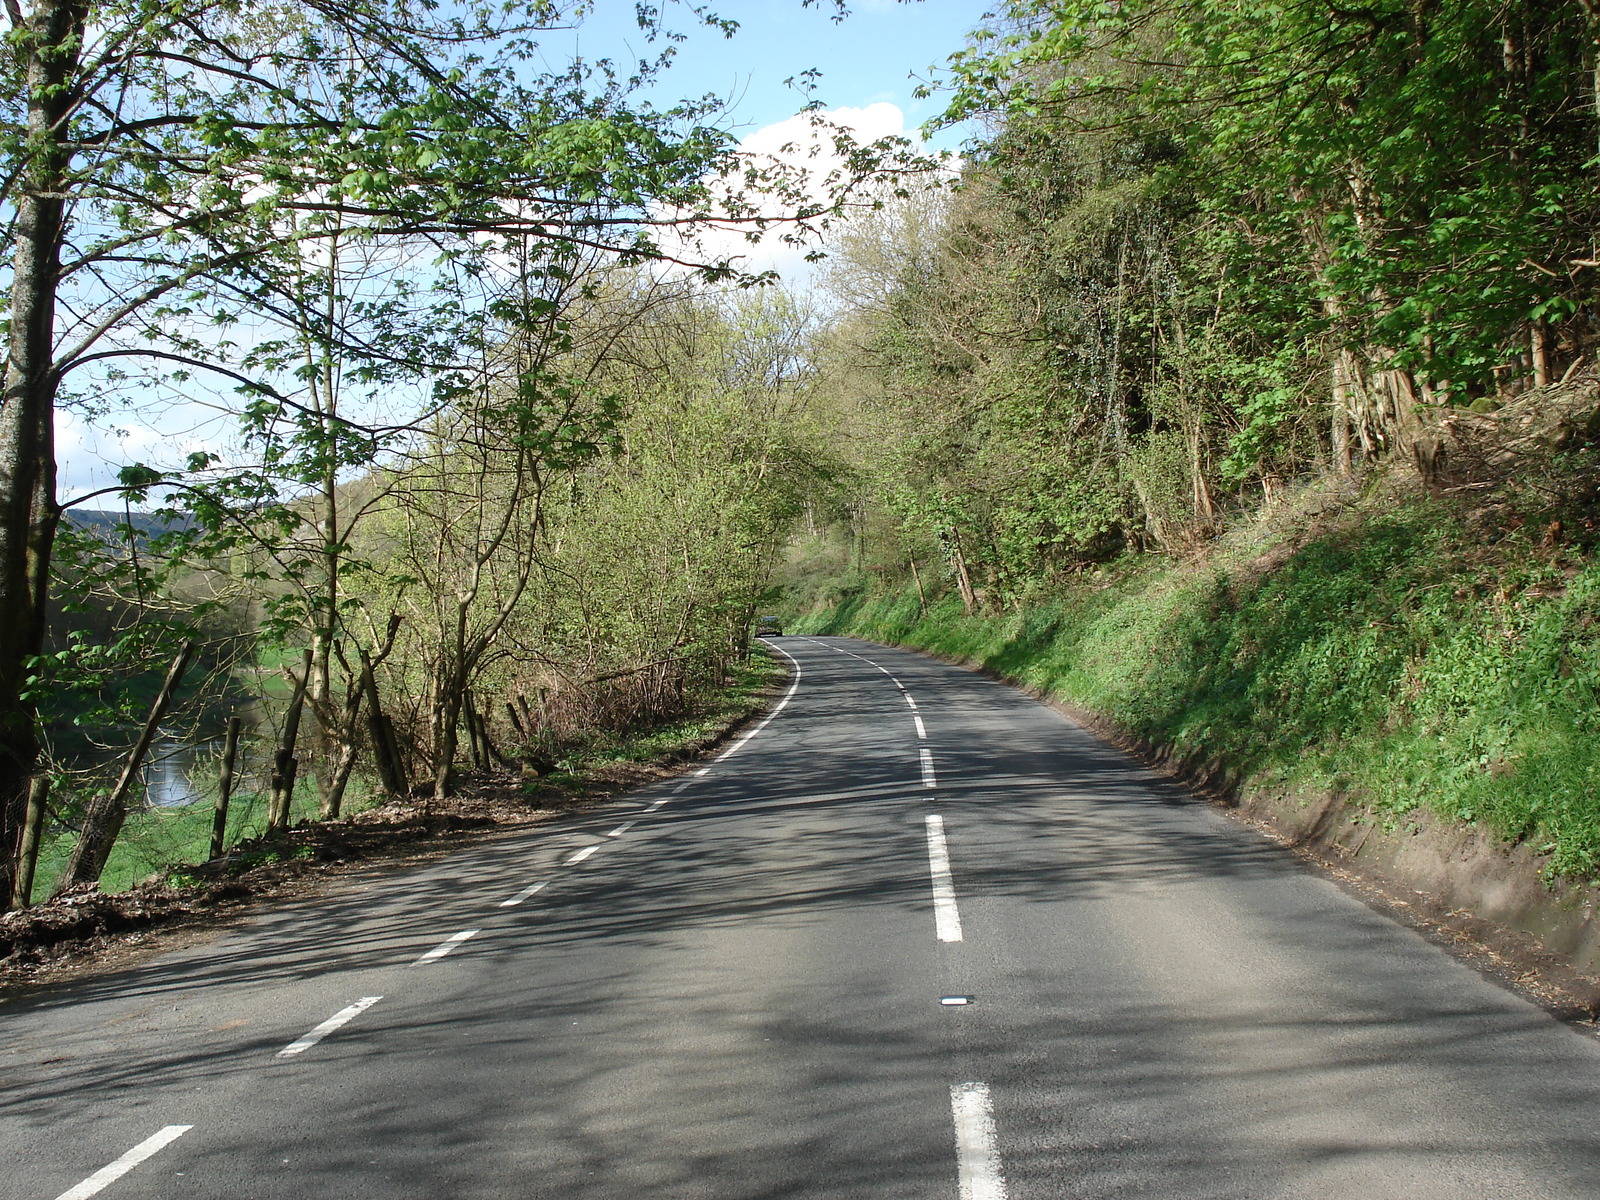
column 915, row 936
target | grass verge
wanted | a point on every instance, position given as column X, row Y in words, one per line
column 598, row 761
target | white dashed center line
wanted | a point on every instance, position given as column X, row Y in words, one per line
column 580, row 855
column 342, row 1017
column 659, row 803
column 524, row 894
column 622, row 829
column 946, row 917
column 446, row 946
column 928, row 778
column 113, row 1171
column 921, row 731
column 977, row 1158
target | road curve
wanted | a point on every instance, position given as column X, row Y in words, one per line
column 916, row 935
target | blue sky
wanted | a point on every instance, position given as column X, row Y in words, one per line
column 869, row 57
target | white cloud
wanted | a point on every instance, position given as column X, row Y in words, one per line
column 90, row 453
column 801, row 145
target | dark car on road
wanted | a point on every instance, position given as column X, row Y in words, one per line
column 769, row 627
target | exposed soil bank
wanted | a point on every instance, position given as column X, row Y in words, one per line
column 1485, row 902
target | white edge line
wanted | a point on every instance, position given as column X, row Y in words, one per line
column 946, row 916
column 578, row 856
column 113, row 1171
column 524, row 894
column 339, row 1018
column 444, row 947
column 766, row 720
column 977, row 1158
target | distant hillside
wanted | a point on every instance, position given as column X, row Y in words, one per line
column 109, row 522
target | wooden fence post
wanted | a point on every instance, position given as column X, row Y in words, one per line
column 219, row 817
column 284, row 764
column 380, row 732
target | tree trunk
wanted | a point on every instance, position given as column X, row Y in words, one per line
column 219, row 812
column 1205, row 512
column 339, row 772
column 332, row 789
column 922, row 597
column 969, row 597
column 491, row 752
column 475, row 753
column 1591, row 20
column 447, row 718
column 338, row 736
column 397, row 761
column 1408, row 422
column 516, row 722
column 385, row 752
column 1205, row 508
column 1116, row 408
column 32, row 836
column 1155, row 522
column 27, row 410
column 1343, row 368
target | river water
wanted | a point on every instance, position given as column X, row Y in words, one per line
column 178, row 773
column 166, row 775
